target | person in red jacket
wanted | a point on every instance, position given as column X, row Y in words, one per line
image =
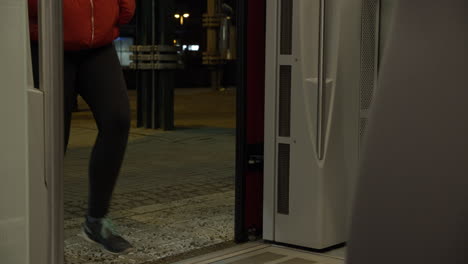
column 92, row 70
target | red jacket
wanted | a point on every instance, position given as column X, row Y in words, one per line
column 88, row 23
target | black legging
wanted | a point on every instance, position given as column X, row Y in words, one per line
column 96, row 75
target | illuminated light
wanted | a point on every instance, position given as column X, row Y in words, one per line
column 194, row 47
column 181, row 17
column 175, row 41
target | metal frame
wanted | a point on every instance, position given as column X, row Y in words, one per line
column 269, row 189
column 249, row 147
column 51, row 82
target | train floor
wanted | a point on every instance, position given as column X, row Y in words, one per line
column 175, row 193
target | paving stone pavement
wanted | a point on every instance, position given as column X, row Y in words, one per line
column 175, row 193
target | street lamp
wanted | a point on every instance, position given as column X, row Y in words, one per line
column 181, row 17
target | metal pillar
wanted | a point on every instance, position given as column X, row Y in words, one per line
column 212, row 47
column 221, row 35
column 155, row 84
column 165, row 78
column 211, row 57
column 145, row 79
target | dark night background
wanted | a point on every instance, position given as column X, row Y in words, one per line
column 191, row 33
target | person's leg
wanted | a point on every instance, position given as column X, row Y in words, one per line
column 75, row 105
column 102, row 86
column 70, row 75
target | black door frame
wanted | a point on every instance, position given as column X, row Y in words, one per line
column 240, row 232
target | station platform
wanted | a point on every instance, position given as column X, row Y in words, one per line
column 175, row 194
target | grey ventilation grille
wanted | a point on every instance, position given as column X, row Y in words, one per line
column 369, row 56
column 285, row 101
column 369, row 51
column 284, row 155
column 286, row 27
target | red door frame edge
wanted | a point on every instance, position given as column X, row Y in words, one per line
column 250, row 118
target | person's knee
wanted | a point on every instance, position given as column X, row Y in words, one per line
column 117, row 123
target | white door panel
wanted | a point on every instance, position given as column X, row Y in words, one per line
column 14, row 216
column 311, row 159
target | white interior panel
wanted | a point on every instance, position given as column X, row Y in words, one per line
column 324, row 133
column 14, row 215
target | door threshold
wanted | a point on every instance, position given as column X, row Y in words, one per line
column 262, row 253
column 226, row 253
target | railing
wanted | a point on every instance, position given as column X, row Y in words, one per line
column 155, row 57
